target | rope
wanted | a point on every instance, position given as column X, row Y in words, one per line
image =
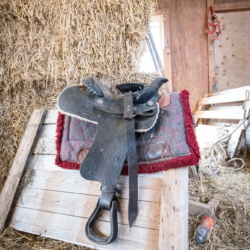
column 214, row 155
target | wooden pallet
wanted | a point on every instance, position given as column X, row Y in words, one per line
column 216, row 109
column 56, row 203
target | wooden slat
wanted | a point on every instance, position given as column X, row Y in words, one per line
column 166, row 50
column 220, row 114
column 72, row 182
column 19, row 164
column 200, row 108
column 233, row 6
column 221, row 123
column 211, row 53
column 196, row 208
column 226, row 108
column 215, row 203
column 226, row 98
column 231, row 91
column 173, row 231
column 47, row 162
column 72, row 229
column 83, row 206
column 192, row 172
column 185, row 18
column 47, row 131
column 45, row 146
column 51, row 117
column 235, row 140
column 232, row 57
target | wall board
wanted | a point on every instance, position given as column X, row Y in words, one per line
column 232, row 50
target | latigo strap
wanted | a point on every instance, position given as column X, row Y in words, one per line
column 132, row 157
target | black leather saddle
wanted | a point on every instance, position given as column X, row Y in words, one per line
column 118, row 119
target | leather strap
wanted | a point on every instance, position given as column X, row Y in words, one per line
column 131, row 158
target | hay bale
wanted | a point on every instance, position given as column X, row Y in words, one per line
column 60, row 42
column 47, row 45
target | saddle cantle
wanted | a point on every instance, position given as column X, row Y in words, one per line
column 118, row 118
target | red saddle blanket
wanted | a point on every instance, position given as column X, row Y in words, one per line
column 170, row 144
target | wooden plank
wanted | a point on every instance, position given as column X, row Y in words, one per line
column 72, row 229
column 47, row 131
column 45, row 146
column 235, row 141
column 51, row 117
column 167, row 51
column 47, row 162
column 227, row 98
column 220, row 114
column 72, row 182
column 211, row 53
column 231, row 91
column 221, row 123
column 226, row 107
column 19, row 163
column 200, row 108
column 173, row 231
column 232, row 50
column 95, row 189
column 215, row 203
column 196, row 208
column 232, row 6
column 192, row 172
column 83, row 206
column 188, row 55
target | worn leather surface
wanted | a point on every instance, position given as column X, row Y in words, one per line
column 105, row 158
column 165, row 141
column 164, row 100
column 80, row 103
column 131, row 158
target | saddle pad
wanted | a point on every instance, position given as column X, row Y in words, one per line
column 170, row 144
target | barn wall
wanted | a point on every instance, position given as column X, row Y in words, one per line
column 229, row 1
column 230, row 5
column 186, row 22
column 232, row 50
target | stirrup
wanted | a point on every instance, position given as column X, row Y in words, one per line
column 89, row 228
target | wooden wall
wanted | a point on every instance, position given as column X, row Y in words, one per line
column 229, row 1
column 230, row 5
column 186, row 22
column 232, row 50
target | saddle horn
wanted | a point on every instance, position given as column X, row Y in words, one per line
column 150, row 91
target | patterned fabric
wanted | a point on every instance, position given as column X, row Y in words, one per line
column 75, row 137
column 77, row 134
